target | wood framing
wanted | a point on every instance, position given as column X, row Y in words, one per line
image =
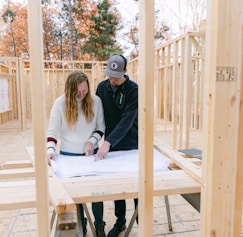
column 222, row 103
column 146, row 116
column 221, row 207
column 239, row 174
column 39, row 116
column 20, row 191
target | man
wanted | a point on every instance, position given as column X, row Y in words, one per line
column 119, row 96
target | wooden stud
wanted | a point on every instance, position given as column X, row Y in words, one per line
column 174, row 94
column 239, row 174
column 39, row 115
column 187, row 93
column 146, row 116
column 221, row 118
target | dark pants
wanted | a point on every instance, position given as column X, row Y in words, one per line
column 82, row 218
column 120, row 211
column 97, row 207
column 98, row 210
column 135, row 206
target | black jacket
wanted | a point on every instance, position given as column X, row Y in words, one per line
column 121, row 114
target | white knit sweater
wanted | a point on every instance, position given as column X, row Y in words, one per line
column 73, row 139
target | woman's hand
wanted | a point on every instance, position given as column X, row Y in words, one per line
column 50, row 156
column 89, row 149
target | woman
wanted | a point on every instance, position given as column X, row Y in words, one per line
column 77, row 121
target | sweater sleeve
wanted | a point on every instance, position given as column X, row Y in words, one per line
column 54, row 127
column 51, row 145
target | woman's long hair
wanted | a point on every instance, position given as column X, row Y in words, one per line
column 71, row 105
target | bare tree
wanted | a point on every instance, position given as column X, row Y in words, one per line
column 186, row 15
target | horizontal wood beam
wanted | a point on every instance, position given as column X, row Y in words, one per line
column 189, row 167
column 17, row 173
column 13, row 164
column 64, row 193
column 105, row 188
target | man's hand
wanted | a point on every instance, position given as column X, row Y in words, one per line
column 103, row 151
column 89, row 148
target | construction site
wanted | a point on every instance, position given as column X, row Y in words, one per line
column 190, row 107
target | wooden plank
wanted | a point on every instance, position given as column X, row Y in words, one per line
column 22, row 95
column 21, row 194
column 192, row 169
column 221, row 120
column 17, row 173
column 17, row 195
column 187, row 93
column 239, row 174
column 175, row 83
column 146, row 116
column 181, row 91
column 60, row 198
column 17, row 164
column 35, row 27
column 105, row 188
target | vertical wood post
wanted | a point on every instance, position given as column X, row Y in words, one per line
column 239, row 173
column 187, row 93
column 22, row 95
column 181, row 92
column 19, row 95
column 175, row 94
column 39, row 115
column 223, row 49
column 146, row 116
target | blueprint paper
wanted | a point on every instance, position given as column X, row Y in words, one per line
column 116, row 162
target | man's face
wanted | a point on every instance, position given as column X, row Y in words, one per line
column 116, row 81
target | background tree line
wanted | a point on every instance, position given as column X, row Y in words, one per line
column 85, row 29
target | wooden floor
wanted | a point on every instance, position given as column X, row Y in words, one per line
column 22, row 223
column 185, row 220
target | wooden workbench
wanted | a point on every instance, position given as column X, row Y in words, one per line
column 18, row 188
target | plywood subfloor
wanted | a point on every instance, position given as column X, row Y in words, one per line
column 185, row 220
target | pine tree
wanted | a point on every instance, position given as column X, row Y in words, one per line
column 9, row 17
column 102, row 41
